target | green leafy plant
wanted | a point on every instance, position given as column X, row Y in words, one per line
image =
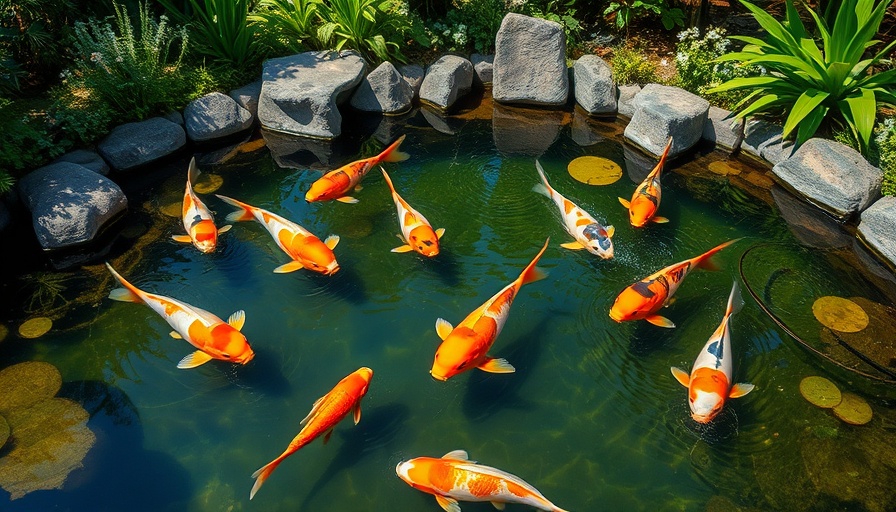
column 559, row 11
column 885, row 143
column 377, row 29
column 630, row 66
column 625, row 11
column 221, row 29
column 697, row 69
column 471, row 23
column 811, row 84
column 33, row 32
column 295, row 21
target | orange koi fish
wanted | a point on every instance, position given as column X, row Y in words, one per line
column 326, row 412
column 646, row 199
column 454, row 478
column 305, row 249
column 587, row 231
column 416, row 232
column 709, row 383
column 198, row 220
column 465, row 347
column 643, row 299
column 338, row 183
column 214, row 338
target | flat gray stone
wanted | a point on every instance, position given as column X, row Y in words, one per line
column 483, row 69
column 661, row 112
column 383, row 90
column 247, row 97
column 525, row 132
column 832, row 176
column 530, row 62
column 777, row 149
column 86, row 158
column 69, row 204
column 877, row 228
column 413, row 74
column 215, row 116
column 624, row 104
column 759, row 133
column 721, row 129
column 446, row 80
column 135, row 144
column 175, row 117
column 301, row 94
column 594, row 87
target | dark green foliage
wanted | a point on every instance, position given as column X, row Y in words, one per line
column 630, row 66
column 626, row 11
column 221, row 29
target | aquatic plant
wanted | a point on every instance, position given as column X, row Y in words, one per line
column 853, row 409
column 840, row 314
column 595, row 170
column 26, row 384
column 47, row 288
column 35, row 327
column 820, row 392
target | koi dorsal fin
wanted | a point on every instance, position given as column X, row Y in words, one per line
column 237, row 319
column 460, row 455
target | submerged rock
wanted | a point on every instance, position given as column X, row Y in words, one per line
column 839, row 314
column 853, row 409
column 26, row 384
column 35, row 327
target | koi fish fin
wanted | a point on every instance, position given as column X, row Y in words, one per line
column 704, row 261
column 460, row 455
column 237, row 319
column 327, row 436
column 573, row 246
column 659, row 220
column 356, row 413
column 440, row 232
column 660, row 321
column 225, row 228
column 347, row 199
column 495, row 365
column 292, row 266
column 314, row 409
column 124, row 295
column 624, row 202
column 498, row 505
column 681, row 376
column 447, row 504
column 331, row 241
column 262, row 474
column 533, row 273
column 358, row 188
column 539, row 188
column 443, row 328
column 392, row 154
column 193, row 360
column 735, row 301
column 244, row 212
column 192, row 171
column 544, row 180
column 403, row 248
column 610, row 231
column 176, row 335
column 388, row 179
column 184, row 239
column 740, row 389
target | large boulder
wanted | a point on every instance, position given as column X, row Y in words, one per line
column 720, row 127
column 594, row 87
column 69, row 204
column 530, row 62
column 86, row 158
column 832, row 176
column 446, row 80
column 301, row 94
column 133, row 145
column 247, row 97
column 215, row 116
column 384, row 90
column 877, row 228
column 661, row 112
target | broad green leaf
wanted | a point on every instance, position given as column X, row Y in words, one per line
column 805, row 105
column 743, row 83
column 810, row 124
column 763, row 104
column 772, row 26
column 862, row 107
column 822, row 29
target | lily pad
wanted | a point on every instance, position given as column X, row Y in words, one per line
column 820, row 392
column 35, row 327
column 723, row 168
column 853, row 409
column 52, row 440
column 595, row 170
column 208, row 183
column 840, row 314
column 4, row 431
column 173, row 209
column 26, row 384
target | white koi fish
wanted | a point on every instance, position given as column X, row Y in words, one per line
column 416, row 232
column 197, row 219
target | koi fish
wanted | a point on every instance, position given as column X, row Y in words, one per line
column 587, row 231
column 646, row 199
column 305, row 249
column 465, row 347
column 198, row 220
column 454, row 478
column 416, row 232
column 338, row 183
column 643, row 299
column 214, row 338
column 709, row 383
column 326, row 412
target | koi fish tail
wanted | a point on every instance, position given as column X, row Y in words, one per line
column 192, row 172
column 262, row 474
column 735, row 301
column 662, row 162
column 704, row 261
column 129, row 293
column 533, row 273
column 388, row 179
column 392, row 154
column 543, row 188
column 245, row 212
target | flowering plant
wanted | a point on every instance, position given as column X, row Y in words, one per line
column 698, row 70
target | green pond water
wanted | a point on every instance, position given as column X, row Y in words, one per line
column 592, row 417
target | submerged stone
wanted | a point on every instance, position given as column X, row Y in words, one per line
column 207, row 183
column 26, row 384
column 853, row 409
column 840, row 314
column 820, row 392
column 4, row 431
column 595, row 170
column 35, row 327
column 172, row 209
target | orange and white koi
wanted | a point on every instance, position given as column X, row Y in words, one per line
column 326, row 412
column 454, row 478
column 587, row 231
column 643, row 299
column 338, row 183
column 466, row 346
column 709, row 383
column 214, row 338
column 646, row 199
column 198, row 220
column 416, row 232
column 305, row 249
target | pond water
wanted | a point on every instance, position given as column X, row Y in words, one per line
column 592, row 417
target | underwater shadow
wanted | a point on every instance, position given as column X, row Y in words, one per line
column 378, row 428
column 488, row 394
column 346, row 284
column 262, row 374
column 445, row 266
column 644, row 338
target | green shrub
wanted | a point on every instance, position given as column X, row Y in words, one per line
column 221, row 29
column 377, row 29
column 626, row 11
column 697, row 68
column 470, row 24
column 885, row 140
column 27, row 137
column 291, row 22
column 630, row 66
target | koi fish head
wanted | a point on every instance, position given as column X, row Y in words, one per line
column 330, row 186
column 628, row 305
column 204, row 235
column 706, row 394
column 454, row 354
column 641, row 210
column 599, row 241
column 416, row 473
column 317, row 257
column 359, row 381
column 232, row 344
column 424, row 240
